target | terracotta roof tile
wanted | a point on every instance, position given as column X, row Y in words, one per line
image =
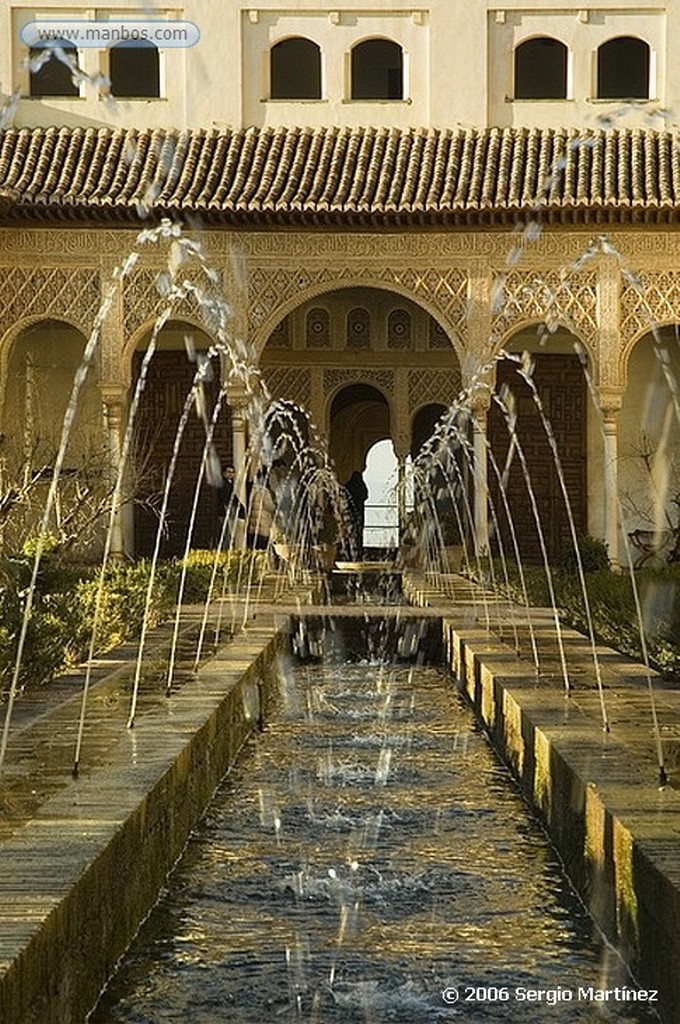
column 354, row 175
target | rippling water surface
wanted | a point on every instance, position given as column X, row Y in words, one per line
column 367, row 855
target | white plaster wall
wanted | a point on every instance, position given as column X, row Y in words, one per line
column 458, row 56
column 336, row 32
column 582, row 30
column 92, row 107
column 649, row 427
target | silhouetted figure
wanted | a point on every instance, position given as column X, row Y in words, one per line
column 230, row 509
column 358, row 493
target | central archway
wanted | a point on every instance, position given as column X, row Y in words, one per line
column 170, row 383
column 359, row 416
column 367, row 363
column 360, row 420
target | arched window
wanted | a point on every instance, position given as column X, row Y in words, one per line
column 318, row 328
column 134, row 70
column 51, row 74
column 377, row 70
column 358, row 328
column 280, row 336
column 623, row 69
column 541, row 69
column 437, row 336
column 399, row 329
column 295, row 70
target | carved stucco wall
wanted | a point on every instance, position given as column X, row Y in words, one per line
column 272, row 292
column 49, row 292
column 608, row 295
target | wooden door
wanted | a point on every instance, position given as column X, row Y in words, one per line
column 561, row 387
column 169, row 381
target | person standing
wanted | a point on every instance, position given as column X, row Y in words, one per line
column 358, row 493
column 231, row 511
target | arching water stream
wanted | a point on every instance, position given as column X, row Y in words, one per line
column 366, row 856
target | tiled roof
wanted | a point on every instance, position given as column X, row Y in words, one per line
column 340, row 175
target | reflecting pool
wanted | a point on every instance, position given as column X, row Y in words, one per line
column 367, row 857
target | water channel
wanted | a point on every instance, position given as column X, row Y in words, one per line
column 367, row 856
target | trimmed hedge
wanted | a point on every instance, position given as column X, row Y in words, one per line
column 60, row 627
column 613, row 609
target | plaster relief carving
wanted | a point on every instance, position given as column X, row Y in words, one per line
column 290, row 382
column 71, row 293
column 550, row 298
column 425, row 386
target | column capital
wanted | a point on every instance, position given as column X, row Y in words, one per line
column 610, row 399
column 402, row 445
column 480, row 403
column 237, row 398
column 113, row 393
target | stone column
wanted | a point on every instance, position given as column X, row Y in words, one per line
column 239, row 447
column 480, row 412
column 401, row 440
column 114, row 389
column 478, row 376
column 114, row 399
column 610, row 404
column 402, row 451
column 609, row 391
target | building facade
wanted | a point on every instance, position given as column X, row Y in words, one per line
column 394, row 204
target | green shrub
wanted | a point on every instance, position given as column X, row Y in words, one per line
column 593, row 553
column 612, row 607
column 233, row 568
column 55, row 623
column 59, row 632
column 124, row 601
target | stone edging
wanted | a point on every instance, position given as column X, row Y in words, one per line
column 78, row 878
column 617, row 832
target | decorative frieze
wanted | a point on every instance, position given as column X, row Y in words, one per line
column 550, row 297
column 70, row 293
column 436, row 248
column 432, row 385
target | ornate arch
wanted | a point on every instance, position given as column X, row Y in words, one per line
column 552, row 298
column 10, row 336
column 627, row 349
column 503, row 342
column 336, row 378
column 71, row 294
column 132, row 342
column 142, row 299
column 275, row 292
